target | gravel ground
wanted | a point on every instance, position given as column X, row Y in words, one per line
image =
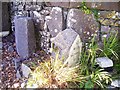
column 7, row 71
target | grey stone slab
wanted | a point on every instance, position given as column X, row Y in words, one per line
column 64, row 40
column 55, row 21
column 25, row 37
column 104, row 62
column 116, row 83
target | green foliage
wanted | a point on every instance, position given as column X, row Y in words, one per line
column 88, row 10
column 101, row 77
column 95, row 76
column 85, row 9
column 87, row 58
column 110, row 46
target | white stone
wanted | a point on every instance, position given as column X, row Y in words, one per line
column 75, row 51
column 36, row 14
column 57, row 9
column 4, row 33
column 104, row 62
column 115, row 83
column 25, row 70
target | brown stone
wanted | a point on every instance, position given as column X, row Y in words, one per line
column 85, row 25
column 98, row 5
column 104, row 5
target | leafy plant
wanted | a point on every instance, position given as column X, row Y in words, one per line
column 88, row 10
column 100, row 77
column 95, row 76
column 110, row 46
column 54, row 73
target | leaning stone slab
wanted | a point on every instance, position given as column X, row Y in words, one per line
column 55, row 21
column 64, row 40
column 69, row 45
column 25, row 37
column 104, row 62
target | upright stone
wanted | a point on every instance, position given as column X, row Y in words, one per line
column 82, row 23
column 55, row 21
column 64, row 40
column 5, row 16
column 69, row 45
column 25, row 37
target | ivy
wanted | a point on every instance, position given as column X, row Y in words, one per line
column 88, row 10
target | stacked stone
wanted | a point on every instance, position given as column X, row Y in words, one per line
column 53, row 17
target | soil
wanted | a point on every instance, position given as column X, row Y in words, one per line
column 8, row 71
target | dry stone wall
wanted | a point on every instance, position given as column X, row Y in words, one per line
column 51, row 18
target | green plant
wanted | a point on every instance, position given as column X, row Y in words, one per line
column 94, row 75
column 110, row 46
column 54, row 73
column 88, row 10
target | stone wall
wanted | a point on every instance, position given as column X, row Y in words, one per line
column 52, row 18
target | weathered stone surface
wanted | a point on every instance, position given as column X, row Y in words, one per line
column 10, row 49
column 104, row 62
column 5, row 17
column 106, row 31
column 58, row 4
column 74, row 4
column 104, row 5
column 115, row 83
column 25, row 70
column 55, row 21
column 82, row 23
column 109, row 22
column 18, row 74
column 75, row 51
column 25, row 38
column 64, row 40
